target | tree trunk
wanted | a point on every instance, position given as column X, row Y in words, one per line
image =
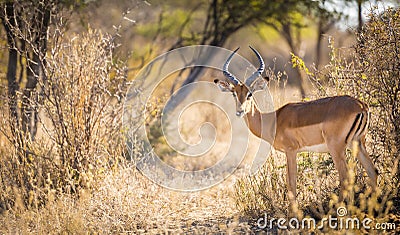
column 13, row 87
column 34, row 72
column 28, row 109
column 294, row 47
column 319, row 44
column 213, row 36
column 360, row 21
column 301, row 78
column 8, row 21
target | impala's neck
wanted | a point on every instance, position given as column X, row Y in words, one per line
column 261, row 124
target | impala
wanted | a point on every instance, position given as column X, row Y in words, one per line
column 329, row 124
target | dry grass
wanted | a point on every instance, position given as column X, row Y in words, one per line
column 125, row 201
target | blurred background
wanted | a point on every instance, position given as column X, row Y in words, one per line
column 275, row 28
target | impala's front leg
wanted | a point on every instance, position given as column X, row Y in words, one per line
column 291, row 174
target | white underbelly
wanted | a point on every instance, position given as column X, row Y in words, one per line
column 319, row 148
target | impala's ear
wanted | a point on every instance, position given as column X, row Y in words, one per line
column 224, row 86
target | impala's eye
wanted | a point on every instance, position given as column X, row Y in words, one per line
column 249, row 95
column 234, row 94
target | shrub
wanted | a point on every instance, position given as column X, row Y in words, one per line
column 378, row 59
column 80, row 104
column 371, row 74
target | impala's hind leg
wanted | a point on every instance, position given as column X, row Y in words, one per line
column 366, row 162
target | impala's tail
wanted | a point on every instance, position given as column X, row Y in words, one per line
column 360, row 126
column 357, row 133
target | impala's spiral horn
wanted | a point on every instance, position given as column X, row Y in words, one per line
column 260, row 70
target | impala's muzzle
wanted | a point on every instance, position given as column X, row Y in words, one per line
column 240, row 113
column 240, row 109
